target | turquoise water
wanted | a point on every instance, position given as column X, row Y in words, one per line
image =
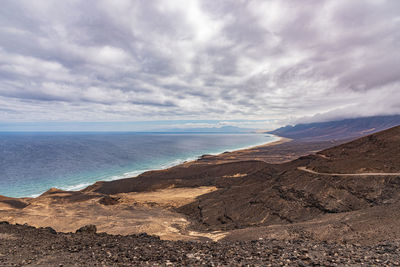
column 31, row 163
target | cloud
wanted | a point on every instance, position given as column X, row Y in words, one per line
column 194, row 60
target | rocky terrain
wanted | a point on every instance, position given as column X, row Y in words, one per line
column 27, row 246
column 284, row 194
column 338, row 203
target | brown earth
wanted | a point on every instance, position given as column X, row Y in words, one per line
column 286, row 196
column 125, row 213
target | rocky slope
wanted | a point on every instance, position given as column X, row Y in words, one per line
column 283, row 194
column 179, row 176
column 27, row 246
column 373, row 153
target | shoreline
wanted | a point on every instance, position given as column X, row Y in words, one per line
column 197, row 159
column 172, row 164
column 280, row 140
column 243, row 154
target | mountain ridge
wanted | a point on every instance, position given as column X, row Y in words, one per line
column 338, row 129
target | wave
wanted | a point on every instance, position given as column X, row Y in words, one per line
column 126, row 175
column 75, row 187
column 177, row 162
column 136, row 173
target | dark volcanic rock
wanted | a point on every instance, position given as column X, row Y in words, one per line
column 27, row 246
column 283, row 194
column 179, row 176
column 87, row 229
column 107, row 200
column 374, row 153
column 50, row 230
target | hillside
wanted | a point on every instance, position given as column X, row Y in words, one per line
column 373, row 153
column 286, row 195
column 341, row 129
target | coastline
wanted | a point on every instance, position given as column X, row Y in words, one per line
column 144, row 209
column 196, row 159
column 280, row 140
column 199, row 159
column 244, row 154
column 182, row 161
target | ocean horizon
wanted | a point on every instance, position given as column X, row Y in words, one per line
column 33, row 162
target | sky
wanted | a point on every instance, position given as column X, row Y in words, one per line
column 207, row 63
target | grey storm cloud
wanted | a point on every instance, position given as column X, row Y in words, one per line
column 141, row 60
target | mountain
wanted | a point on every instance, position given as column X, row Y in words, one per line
column 341, row 129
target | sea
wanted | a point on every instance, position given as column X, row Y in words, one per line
column 31, row 163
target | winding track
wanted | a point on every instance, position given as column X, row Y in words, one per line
column 350, row 174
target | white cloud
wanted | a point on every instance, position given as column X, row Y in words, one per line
column 144, row 60
column 108, row 55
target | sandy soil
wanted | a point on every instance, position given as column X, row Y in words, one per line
column 150, row 212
